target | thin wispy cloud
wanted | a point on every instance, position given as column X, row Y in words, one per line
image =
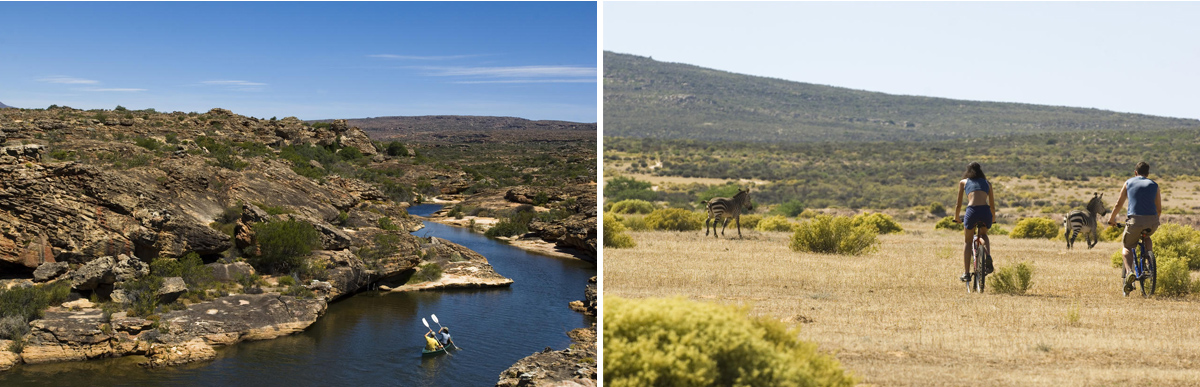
column 233, row 83
column 68, row 80
column 581, row 80
column 420, row 57
column 515, row 71
column 115, row 89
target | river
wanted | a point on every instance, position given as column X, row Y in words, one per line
column 373, row 339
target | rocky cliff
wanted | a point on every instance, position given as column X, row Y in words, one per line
column 108, row 201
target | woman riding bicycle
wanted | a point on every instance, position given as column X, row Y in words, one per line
column 1145, row 204
column 981, row 211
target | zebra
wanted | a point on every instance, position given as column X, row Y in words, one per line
column 727, row 208
column 1084, row 222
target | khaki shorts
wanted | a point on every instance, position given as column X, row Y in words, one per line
column 1134, row 225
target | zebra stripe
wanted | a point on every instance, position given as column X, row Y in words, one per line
column 1084, row 222
column 727, row 208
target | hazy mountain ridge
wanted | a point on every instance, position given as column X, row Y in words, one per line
column 648, row 98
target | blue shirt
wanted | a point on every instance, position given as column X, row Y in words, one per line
column 977, row 185
column 1141, row 192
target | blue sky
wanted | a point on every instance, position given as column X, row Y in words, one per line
column 311, row 60
column 1136, row 57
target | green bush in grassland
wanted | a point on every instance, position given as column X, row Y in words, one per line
column 1177, row 241
column 833, row 235
column 1013, row 279
column 750, row 221
column 674, row 219
column 789, row 209
column 677, row 342
column 1110, row 233
column 1035, row 228
column 632, row 206
column 883, row 223
column 19, row 306
column 774, row 223
column 1174, row 279
column 947, row 223
column 634, row 222
column 614, row 233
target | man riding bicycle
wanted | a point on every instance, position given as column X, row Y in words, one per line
column 1145, row 205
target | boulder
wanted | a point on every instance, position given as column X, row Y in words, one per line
column 92, row 274
column 49, row 270
column 128, row 268
column 119, row 296
column 172, row 288
column 200, row 238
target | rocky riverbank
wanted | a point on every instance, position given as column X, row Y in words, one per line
column 569, row 367
column 571, row 232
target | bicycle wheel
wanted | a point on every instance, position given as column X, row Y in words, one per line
column 1151, row 278
column 980, row 253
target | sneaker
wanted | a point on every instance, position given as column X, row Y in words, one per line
column 1129, row 283
column 965, row 277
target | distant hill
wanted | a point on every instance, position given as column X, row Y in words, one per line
column 652, row 99
column 430, row 128
column 2, row 105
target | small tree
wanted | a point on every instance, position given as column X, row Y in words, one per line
column 284, row 245
column 1034, row 228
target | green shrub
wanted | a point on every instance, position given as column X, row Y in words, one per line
column 1176, row 241
column 13, row 327
column 1035, row 228
column 1173, row 277
column 425, row 273
column 674, row 219
column 1013, row 279
column 621, row 188
column 614, row 233
column 287, row 280
column 284, row 245
column 191, row 268
column 750, row 221
column 833, row 235
column 789, row 209
column 937, row 209
column 948, row 223
column 386, row 223
column 507, row 228
column 883, row 223
column 774, row 223
column 632, row 206
column 998, row 229
column 396, row 148
column 148, row 143
column 1118, row 260
column 635, row 222
column 1111, row 233
column 143, row 295
column 677, row 342
column 29, row 303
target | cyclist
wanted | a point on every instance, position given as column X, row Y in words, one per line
column 981, row 211
column 1145, row 204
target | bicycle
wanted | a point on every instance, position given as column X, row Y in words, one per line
column 977, row 280
column 1145, row 265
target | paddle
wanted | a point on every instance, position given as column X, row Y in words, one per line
column 439, row 324
column 430, row 329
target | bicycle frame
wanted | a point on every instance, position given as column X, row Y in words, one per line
column 978, row 252
column 1144, row 265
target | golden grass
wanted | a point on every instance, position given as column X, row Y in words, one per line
column 900, row 317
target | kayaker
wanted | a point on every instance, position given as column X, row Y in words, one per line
column 443, row 336
column 431, row 344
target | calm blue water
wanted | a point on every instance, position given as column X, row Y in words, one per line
column 374, row 339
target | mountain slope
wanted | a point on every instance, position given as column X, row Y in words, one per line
column 647, row 98
column 427, row 127
column 2, row 105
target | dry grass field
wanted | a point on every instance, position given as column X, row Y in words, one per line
column 900, row 317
